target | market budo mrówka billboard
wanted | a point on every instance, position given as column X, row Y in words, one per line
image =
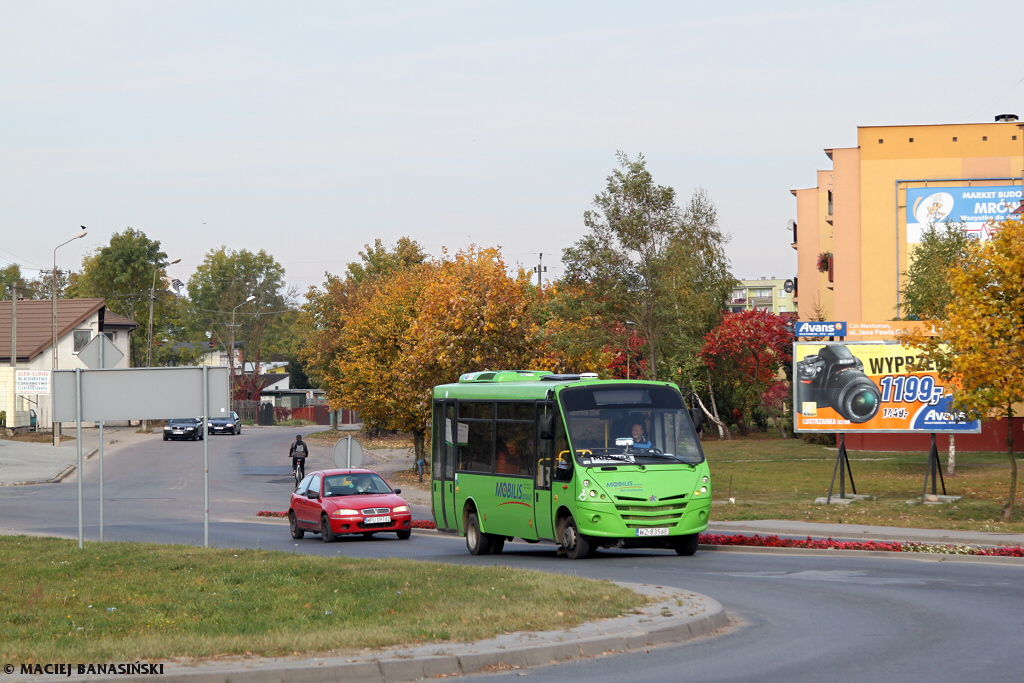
column 870, row 387
column 980, row 208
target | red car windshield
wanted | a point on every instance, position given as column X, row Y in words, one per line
column 354, row 484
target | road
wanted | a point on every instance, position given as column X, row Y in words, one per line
column 798, row 617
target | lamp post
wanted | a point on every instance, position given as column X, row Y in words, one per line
column 82, row 233
column 231, row 350
column 149, row 335
column 152, row 298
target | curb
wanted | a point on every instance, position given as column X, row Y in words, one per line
column 674, row 616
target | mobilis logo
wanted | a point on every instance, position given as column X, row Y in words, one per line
column 504, row 489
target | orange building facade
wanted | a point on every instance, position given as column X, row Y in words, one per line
column 855, row 231
column 856, row 218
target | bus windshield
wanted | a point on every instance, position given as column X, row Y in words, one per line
column 629, row 424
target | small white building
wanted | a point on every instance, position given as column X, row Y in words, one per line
column 27, row 336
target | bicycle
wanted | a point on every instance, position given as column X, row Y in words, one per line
column 300, row 470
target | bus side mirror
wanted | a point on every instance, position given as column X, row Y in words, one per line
column 697, row 417
column 547, row 426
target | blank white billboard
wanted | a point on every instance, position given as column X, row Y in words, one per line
column 139, row 393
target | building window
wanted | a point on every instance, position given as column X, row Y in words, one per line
column 880, row 141
column 830, row 204
column 954, row 139
column 911, row 139
column 984, row 138
column 81, row 337
column 112, row 336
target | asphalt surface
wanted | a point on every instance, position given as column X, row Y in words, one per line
column 23, row 463
column 679, row 614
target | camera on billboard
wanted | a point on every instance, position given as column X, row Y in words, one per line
column 834, row 378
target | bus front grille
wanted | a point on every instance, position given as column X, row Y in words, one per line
column 636, row 516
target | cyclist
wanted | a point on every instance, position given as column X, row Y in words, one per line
column 298, row 453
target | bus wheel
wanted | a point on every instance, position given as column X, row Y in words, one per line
column 577, row 546
column 497, row 543
column 687, row 545
column 477, row 542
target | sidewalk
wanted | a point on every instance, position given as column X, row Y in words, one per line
column 36, row 463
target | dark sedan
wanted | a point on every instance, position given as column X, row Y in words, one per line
column 190, row 428
column 232, row 424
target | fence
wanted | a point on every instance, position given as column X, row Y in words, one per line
column 320, row 414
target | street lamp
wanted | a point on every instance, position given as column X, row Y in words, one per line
column 82, row 233
column 231, row 351
column 152, row 298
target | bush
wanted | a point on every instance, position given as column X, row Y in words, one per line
column 818, row 439
column 282, row 414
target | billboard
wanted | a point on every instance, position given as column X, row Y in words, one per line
column 31, row 382
column 980, row 208
column 870, row 387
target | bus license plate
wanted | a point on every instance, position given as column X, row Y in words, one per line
column 655, row 531
column 376, row 520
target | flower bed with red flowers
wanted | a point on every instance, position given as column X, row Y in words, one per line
column 886, row 546
column 759, row 541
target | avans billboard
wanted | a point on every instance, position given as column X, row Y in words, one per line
column 870, row 387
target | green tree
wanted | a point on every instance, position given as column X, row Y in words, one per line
column 218, row 293
column 646, row 262
column 979, row 347
column 927, row 291
column 378, row 260
column 123, row 273
column 10, row 279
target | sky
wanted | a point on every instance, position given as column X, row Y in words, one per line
column 310, row 129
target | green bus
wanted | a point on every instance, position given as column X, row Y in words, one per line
column 569, row 459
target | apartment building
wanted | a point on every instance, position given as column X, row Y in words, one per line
column 855, row 230
column 765, row 294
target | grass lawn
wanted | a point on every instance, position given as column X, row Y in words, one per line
column 118, row 602
column 773, row 478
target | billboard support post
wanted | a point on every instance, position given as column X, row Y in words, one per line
column 935, row 473
column 842, row 468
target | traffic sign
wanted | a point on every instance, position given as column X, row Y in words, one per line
column 100, row 347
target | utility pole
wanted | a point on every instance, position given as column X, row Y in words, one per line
column 14, row 325
column 540, row 268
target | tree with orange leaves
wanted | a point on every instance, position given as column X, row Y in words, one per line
column 979, row 347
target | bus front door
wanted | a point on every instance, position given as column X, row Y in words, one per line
column 443, row 498
column 542, row 493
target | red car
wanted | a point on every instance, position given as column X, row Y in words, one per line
column 335, row 502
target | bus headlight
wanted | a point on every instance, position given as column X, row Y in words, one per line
column 593, row 493
column 586, row 483
column 705, row 480
column 700, row 491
